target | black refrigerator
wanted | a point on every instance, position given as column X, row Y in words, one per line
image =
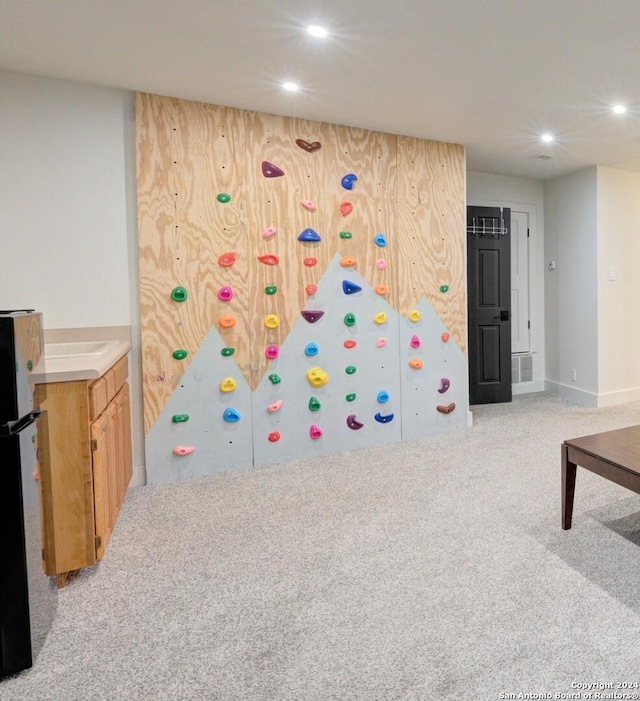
column 27, row 595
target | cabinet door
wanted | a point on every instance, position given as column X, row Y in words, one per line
column 105, row 486
column 123, row 430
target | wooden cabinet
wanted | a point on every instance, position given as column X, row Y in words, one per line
column 85, row 466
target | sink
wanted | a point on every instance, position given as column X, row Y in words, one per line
column 76, row 349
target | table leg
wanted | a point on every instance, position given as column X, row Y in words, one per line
column 568, row 487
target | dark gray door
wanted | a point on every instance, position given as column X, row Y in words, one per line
column 489, row 304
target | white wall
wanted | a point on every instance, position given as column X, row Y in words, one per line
column 618, row 219
column 571, row 315
column 523, row 195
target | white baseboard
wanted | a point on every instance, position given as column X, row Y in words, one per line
column 573, row 394
column 527, row 387
column 619, row 397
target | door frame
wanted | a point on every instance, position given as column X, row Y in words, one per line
column 536, row 288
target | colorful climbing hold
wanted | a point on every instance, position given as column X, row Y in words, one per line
column 310, row 262
column 225, row 293
column 228, row 384
column 350, row 369
column 179, row 294
column 309, row 235
column 269, row 259
column 348, row 262
column 381, row 342
column 180, row 418
column 381, row 264
column 348, row 180
column 380, row 240
column 274, row 379
column 270, row 289
column 350, row 343
column 309, row 147
column 314, row 404
column 311, row 289
column 445, row 383
column 317, row 377
column 345, row 235
column 383, row 396
column 308, row 205
column 180, row 354
column 226, row 260
column 346, row 208
column 311, row 349
column 445, row 337
column 272, row 351
column 271, row 321
column 414, row 315
column 380, row 317
column 269, row 232
column 227, row 321
column 415, row 341
column 226, row 352
column 415, row 363
column 349, row 319
column 271, row 171
column 315, row 432
column 381, row 290
column 351, row 397
column 353, row 423
column 274, row 437
column 383, row 419
column 231, row 415
column 350, row 288
column 444, row 288
column 446, row 409
column 183, row 450
column 223, row 197
column 272, row 408
column 312, row 315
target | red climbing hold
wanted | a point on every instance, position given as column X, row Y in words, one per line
column 310, row 262
column 346, row 208
column 226, row 260
column 269, row 259
column 349, row 343
column 311, row 289
column 274, row 437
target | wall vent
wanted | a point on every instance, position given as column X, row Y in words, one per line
column 521, row 368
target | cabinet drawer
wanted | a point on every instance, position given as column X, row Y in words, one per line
column 103, row 390
column 98, row 398
column 121, row 371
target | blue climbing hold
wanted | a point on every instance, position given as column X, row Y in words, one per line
column 383, row 396
column 383, row 419
column 348, row 180
column 231, row 415
column 311, row 349
column 309, row 235
column 380, row 240
column 350, row 288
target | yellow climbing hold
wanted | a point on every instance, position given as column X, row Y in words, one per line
column 317, row 377
column 271, row 321
column 380, row 318
column 228, row 384
column 414, row 315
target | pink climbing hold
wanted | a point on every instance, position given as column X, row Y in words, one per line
column 346, row 208
column 269, row 232
column 445, row 383
column 445, row 336
column 183, row 450
column 381, row 264
column 272, row 351
column 225, row 293
column 271, row 171
column 381, row 342
column 315, row 432
column 272, row 408
column 308, row 205
column 415, row 341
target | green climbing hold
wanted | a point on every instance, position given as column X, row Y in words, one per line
column 349, row 319
column 179, row 294
column 350, row 369
column 270, row 289
column 29, row 365
column 180, row 354
column 350, row 397
column 444, row 288
column 314, row 404
column 345, row 234
column 180, row 418
column 274, row 379
column 227, row 352
column 224, row 198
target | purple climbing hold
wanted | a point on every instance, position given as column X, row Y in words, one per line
column 353, row 423
column 350, row 288
column 445, row 383
column 312, row 315
column 271, row 171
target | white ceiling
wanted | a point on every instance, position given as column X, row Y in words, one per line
column 492, row 75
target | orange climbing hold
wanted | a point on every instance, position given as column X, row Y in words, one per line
column 415, row 363
column 348, row 262
column 381, row 289
column 227, row 321
column 226, row 260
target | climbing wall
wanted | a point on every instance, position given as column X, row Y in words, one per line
column 301, row 287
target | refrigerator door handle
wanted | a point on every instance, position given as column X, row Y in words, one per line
column 11, row 428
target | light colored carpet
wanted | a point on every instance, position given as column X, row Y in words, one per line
column 433, row 569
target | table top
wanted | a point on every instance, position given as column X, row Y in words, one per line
column 620, row 447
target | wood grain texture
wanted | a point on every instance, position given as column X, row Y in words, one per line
column 431, row 230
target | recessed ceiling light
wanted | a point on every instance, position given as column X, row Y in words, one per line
column 547, row 138
column 619, row 109
column 291, row 87
column 317, row 31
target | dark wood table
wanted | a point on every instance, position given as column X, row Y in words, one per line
column 614, row 455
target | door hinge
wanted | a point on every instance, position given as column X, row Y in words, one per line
column 94, row 444
column 527, row 233
column 98, row 542
column 43, row 554
column 528, row 324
